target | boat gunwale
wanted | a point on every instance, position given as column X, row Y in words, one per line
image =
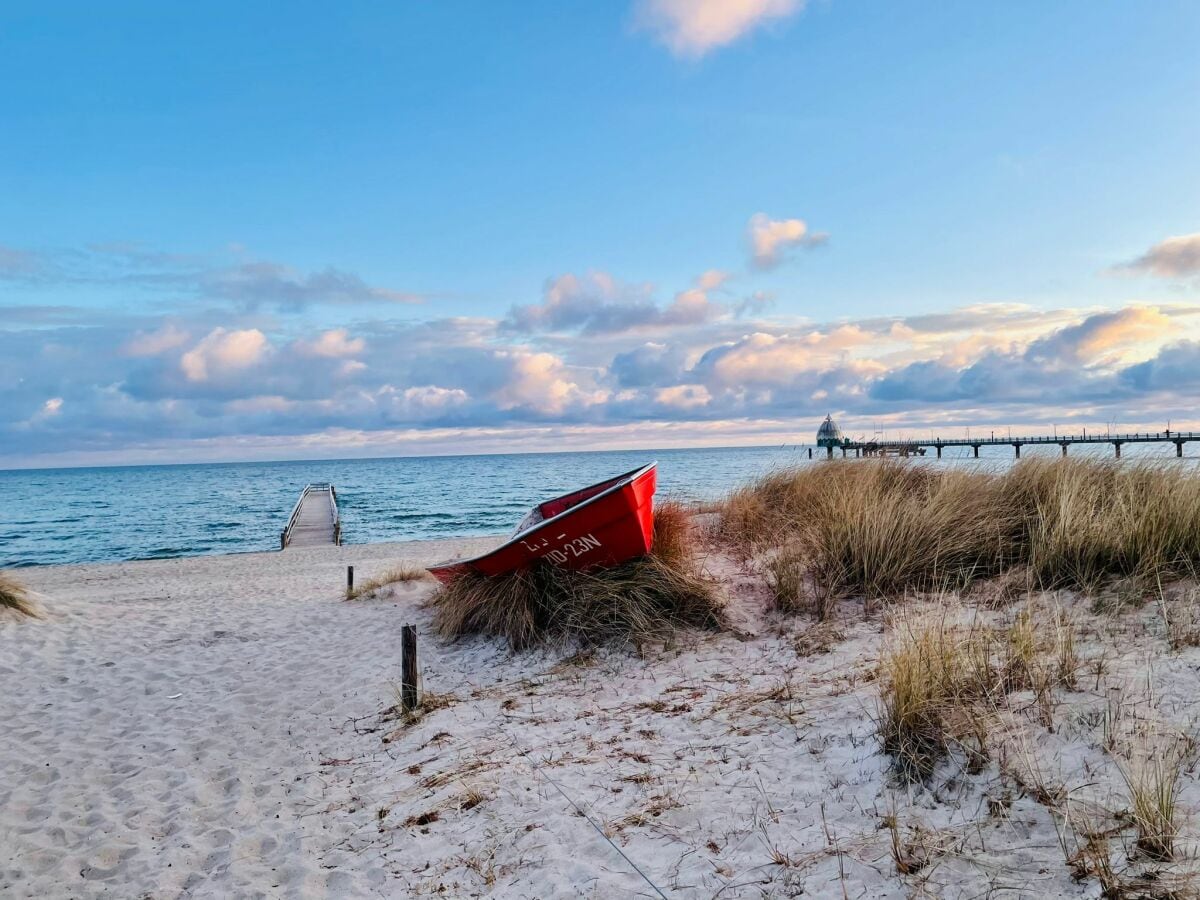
column 622, row 481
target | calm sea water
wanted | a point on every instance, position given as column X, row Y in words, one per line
column 156, row 512
column 153, row 512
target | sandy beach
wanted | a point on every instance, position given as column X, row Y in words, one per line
column 168, row 725
column 217, row 726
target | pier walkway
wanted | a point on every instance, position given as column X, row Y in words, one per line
column 314, row 521
column 919, row 447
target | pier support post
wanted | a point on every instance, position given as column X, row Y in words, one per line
column 408, row 668
column 975, row 447
column 1117, row 447
column 1017, row 450
column 843, row 453
column 810, row 452
column 1179, row 449
column 829, row 453
column 1064, row 447
column 939, row 450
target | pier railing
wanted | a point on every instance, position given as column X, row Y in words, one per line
column 920, row 445
column 337, row 520
column 285, row 536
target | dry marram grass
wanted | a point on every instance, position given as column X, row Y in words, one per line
column 643, row 600
column 14, row 596
column 944, row 680
column 395, row 575
column 879, row 528
column 1153, row 774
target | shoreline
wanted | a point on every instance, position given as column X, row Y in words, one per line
column 368, row 552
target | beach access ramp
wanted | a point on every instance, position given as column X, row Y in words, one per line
column 314, row 521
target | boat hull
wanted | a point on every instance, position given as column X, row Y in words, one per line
column 612, row 523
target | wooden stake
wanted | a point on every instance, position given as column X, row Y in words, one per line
column 349, row 578
column 408, row 667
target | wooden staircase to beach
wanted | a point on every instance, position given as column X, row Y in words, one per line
column 314, row 521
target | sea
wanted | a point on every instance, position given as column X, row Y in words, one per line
column 78, row 515
column 112, row 514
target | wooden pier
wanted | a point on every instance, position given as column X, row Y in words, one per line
column 314, row 521
column 919, row 447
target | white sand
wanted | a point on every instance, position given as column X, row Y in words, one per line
column 212, row 727
column 163, row 729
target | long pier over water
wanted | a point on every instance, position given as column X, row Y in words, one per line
column 921, row 446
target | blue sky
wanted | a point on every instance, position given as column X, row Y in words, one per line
column 243, row 182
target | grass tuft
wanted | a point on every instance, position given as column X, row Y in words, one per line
column 944, row 681
column 14, row 596
column 936, row 677
column 395, row 575
column 1153, row 775
column 675, row 536
column 641, row 601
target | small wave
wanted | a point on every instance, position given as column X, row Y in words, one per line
column 168, row 553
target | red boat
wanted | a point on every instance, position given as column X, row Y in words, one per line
column 601, row 525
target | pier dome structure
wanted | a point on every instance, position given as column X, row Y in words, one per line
column 829, row 435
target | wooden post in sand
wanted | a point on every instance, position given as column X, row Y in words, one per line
column 349, row 578
column 408, row 667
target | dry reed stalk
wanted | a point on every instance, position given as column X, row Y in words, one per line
column 641, row 601
column 1153, row 774
column 14, row 596
column 881, row 528
column 938, row 683
column 395, row 575
column 644, row 600
column 675, row 536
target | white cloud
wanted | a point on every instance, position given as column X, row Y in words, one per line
column 712, row 279
column 542, row 382
column 264, row 403
column 690, row 307
column 1175, row 257
column 597, row 303
column 420, row 402
column 595, row 352
column 250, row 284
column 691, row 28
column 223, row 351
column 334, row 344
column 1106, row 339
column 155, row 342
column 684, row 396
column 771, row 238
column 762, row 358
column 432, row 397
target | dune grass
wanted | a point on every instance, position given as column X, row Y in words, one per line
column 1154, row 774
column 394, row 575
column 641, row 601
column 938, row 679
column 14, row 596
column 879, row 528
column 944, row 676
